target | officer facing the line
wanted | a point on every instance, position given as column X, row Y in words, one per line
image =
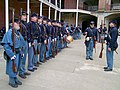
column 91, row 35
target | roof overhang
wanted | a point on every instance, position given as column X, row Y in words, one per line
column 75, row 10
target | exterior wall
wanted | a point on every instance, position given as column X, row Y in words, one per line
column 108, row 4
column 17, row 6
column 104, row 4
column 45, row 10
column 70, row 4
column 69, row 18
column 2, row 14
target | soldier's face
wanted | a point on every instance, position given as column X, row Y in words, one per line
column 16, row 26
column 34, row 19
column 57, row 24
column 60, row 25
column 40, row 20
column 53, row 23
column 44, row 22
column 49, row 23
column 66, row 27
column 24, row 17
column 111, row 24
column 92, row 25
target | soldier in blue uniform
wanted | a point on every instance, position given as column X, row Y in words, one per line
column 91, row 36
column 79, row 32
column 111, row 45
column 40, row 23
column 49, row 53
column 56, row 37
column 44, row 39
column 59, row 37
column 24, row 31
column 62, row 34
column 15, row 56
column 102, row 31
column 33, row 39
column 53, row 38
column 66, row 33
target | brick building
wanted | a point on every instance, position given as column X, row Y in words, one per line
column 71, row 11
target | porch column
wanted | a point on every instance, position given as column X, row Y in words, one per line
column 7, row 14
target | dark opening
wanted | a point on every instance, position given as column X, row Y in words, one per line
column 86, row 22
column 62, row 4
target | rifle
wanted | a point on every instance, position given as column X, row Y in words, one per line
column 20, row 21
column 95, row 45
column 38, row 51
column 53, row 47
column 100, row 56
column 14, row 68
column 56, row 40
column 31, row 33
column 47, row 41
column 53, row 53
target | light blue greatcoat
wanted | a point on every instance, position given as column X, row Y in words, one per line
column 7, row 44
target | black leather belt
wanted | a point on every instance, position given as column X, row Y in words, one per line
column 17, row 50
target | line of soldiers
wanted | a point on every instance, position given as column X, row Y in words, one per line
column 76, row 31
column 40, row 38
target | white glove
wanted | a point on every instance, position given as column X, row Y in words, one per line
column 13, row 58
column 29, row 44
column 88, row 38
column 55, row 39
column 48, row 40
column 61, row 35
column 22, row 55
column 52, row 40
column 105, row 35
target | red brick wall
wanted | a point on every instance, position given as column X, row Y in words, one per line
column 104, row 4
column 2, row 15
column 108, row 4
column 45, row 10
column 17, row 6
column 34, row 7
column 70, row 4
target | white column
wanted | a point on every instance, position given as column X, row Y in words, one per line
column 28, row 10
column 100, row 19
column 49, row 10
column 40, row 8
column 59, row 16
column 55, row 10
column 56, row 3
column 55, row 15
column 77, row 4
column 6, row 15
column 60, row 12
column 76, row 19
column 49, row 13
column 77, row 14
column 60, row 4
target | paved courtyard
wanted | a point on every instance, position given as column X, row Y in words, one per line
column 69, row 71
